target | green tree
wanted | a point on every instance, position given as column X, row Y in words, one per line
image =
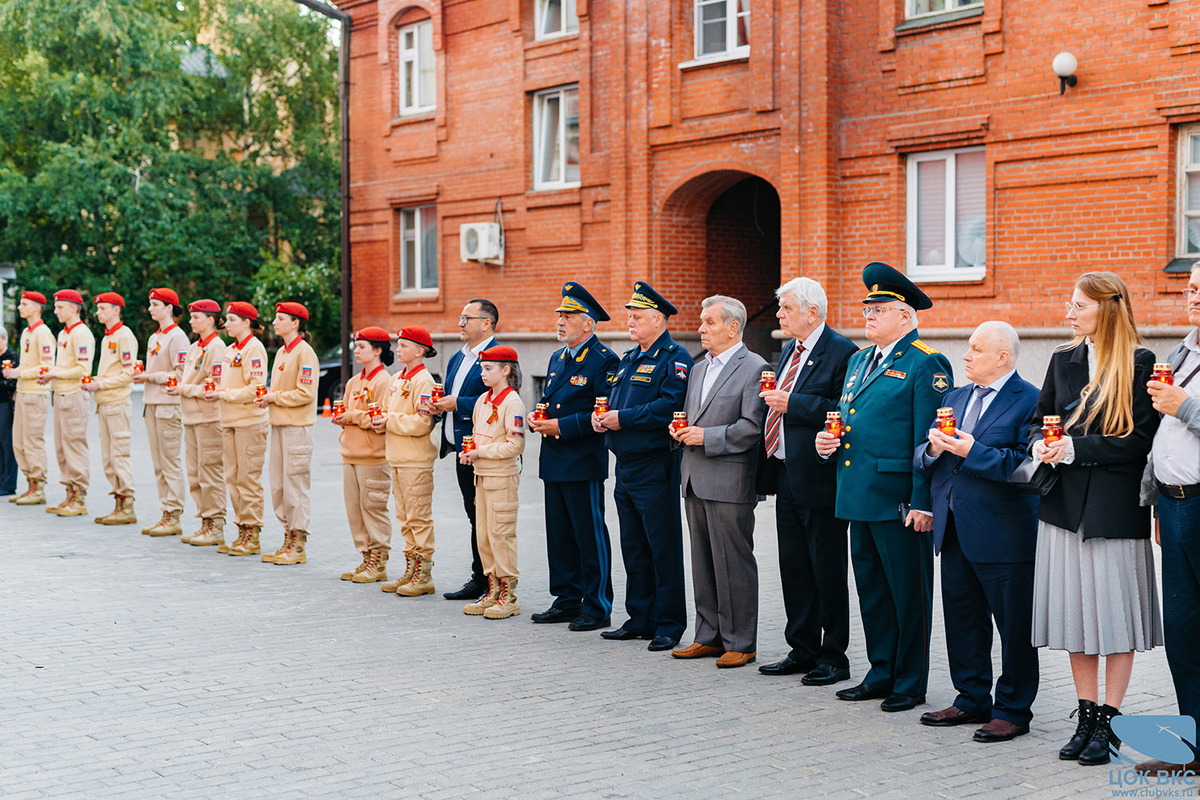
column 191, row 144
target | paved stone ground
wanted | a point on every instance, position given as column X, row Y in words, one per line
column 139, row 667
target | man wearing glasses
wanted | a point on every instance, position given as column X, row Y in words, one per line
column 463, row 388
column 890, row 399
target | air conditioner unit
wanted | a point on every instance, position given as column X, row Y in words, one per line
column 481, row 241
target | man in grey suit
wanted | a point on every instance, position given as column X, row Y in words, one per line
column 720, row 456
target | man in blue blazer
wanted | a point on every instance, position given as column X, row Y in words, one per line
column 463, row 388
column 573, row 465
column 986, row 532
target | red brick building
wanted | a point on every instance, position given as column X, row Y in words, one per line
column 725, row 145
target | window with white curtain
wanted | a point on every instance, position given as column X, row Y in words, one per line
column 418, row 69
column 947, row 215
column 556, row 138
column 927, row 8
column 418, row 249
column 722, row 28
column 555, row 18
column 1187, row 221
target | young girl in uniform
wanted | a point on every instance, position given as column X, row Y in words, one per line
column 365, row 478
column 499, row 421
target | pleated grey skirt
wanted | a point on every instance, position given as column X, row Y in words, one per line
column 1098, row 597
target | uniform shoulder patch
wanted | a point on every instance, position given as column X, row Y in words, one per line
column 941, row 381
column 868, row 347
column 924, row 348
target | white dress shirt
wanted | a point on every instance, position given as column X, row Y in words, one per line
column 1176, row 449
column 713, row 371
column 808, row 344
column 470, row 356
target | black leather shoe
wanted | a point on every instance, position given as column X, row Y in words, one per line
column 553, row 614
column 901, row 702
column 623, row 634
column 786, row 666
column 471, row 590
column 585, row 623
column 863, row 692
column 826, row 675
column 662, row 642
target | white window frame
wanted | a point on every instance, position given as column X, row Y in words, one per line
column 412, row 57
column 916, row 9
column 414, row 234
column 732, row 49
column 946, row 271
column 1186, row 167
column 539, row 100
column 570, row 20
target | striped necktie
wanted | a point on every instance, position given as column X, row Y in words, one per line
column 775, row 418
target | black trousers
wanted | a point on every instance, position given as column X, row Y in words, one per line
column 466, row 485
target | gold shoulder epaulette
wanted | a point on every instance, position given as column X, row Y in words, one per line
column 924, row 348
column 868, row 347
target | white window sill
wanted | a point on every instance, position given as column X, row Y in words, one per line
column 416, row 294
column 946, row 274
column 741, row 54
column 554, row 37
column 554, row 187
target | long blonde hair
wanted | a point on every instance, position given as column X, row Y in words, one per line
column 1109, row 393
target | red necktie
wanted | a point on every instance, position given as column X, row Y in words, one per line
column 775, row 418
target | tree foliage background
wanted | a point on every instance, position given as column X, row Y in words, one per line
column 191, row 144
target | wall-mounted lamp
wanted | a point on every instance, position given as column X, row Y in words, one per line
column 1064, row 65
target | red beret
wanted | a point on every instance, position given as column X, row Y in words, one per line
column 70, row 295
column 205, row 306
column 374, row 334
column 165, row 296
column 242, row 309
column 415, row 333
column 295, row 309
column 36, row 297
column 500, row 352
column 108, row 297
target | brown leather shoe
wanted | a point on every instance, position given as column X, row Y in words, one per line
column 951, row 716
column 1000, row 730
column 732, row 658
column 1155, row 767
column 697, row 650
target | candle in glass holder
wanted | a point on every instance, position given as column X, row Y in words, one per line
column 373, row 410
column 539, row 412
column 766, row 381
column 468, row 443
column 260, row 391
column 139, row 366
column 210, row 385
column 1052, row 428
column 1163, row 372
column 833, row 423
column 601, row 405
column 172, row 381
column 7, row 364
column 438, row 392
column 86, row 379
column 946, row 421
column 43, row 370
column 339, row 408
column 679, row 422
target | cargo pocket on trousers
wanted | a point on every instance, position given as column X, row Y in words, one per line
column 171, row 427
column 212, row 451
column 298, row 458
column 504, row 515
column 256, row 456
column 376, row 496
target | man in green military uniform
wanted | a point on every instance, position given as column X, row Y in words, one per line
column 892, row 393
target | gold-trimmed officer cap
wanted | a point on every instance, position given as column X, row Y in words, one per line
column 644, row 296
column 885, row 284
column 578, row 300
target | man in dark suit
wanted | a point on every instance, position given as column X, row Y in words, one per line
column 986, row 532
column 8, row 389
column 573, row 465
column 812, row 540
column 646, row 391
column 463, row 388
column 720, row 448
column 892, row 391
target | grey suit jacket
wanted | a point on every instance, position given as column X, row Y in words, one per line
column 723, row 469
column 1189, row 412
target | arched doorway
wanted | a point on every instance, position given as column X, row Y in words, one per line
column 720, row 234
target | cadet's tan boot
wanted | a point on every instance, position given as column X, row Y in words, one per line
column 506, row 604
column 295, row 553
column 212, row 531
column 477, row 608
column 169, row 526
column 54, row 508
column 392, row 586
column 76, row 506
column 122, row 514
column 247, row 542
column 421, row 581
column 34, row 496
column 269, row 558
column 198, row 532
column 146, row 530
column 349, row 574
column 376, row 568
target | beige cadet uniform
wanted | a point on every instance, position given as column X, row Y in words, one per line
column 202, row 428
column 72, row 360
column 166, row 350
column 114, row 376
column 32, row 401
column 294, row 380
column 410, row 455
column 243, row 427
column 500, row 441
column 365, row 479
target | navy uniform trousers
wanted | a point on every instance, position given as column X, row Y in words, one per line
column 577, row 547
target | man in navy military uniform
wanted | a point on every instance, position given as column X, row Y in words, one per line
column 892, row 391
column 573, row 465
column 648, row 388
